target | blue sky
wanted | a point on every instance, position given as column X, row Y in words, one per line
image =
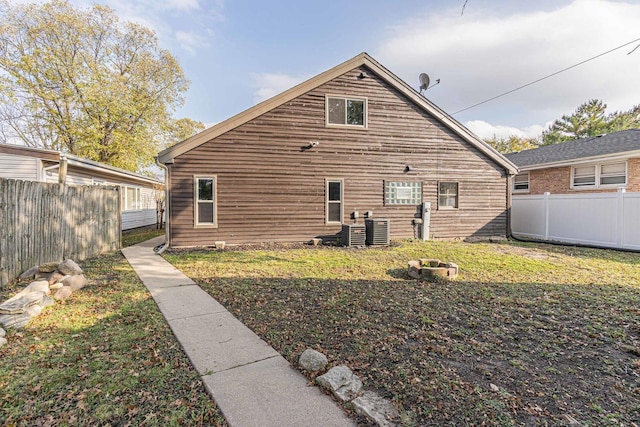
column 239, row 52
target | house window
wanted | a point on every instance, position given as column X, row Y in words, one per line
column 584, row 176
column 601, row 175
column 521, row 183
column 613, row 174
column 334, row 209
column 402, row 193
column 130, row 198
column 205, row 201
column 447, row 195
column 346, row 111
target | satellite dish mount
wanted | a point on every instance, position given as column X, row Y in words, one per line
column 424, row 82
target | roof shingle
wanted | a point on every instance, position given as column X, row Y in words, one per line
column 613, row 143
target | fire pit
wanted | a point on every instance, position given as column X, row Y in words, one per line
column 432, row 269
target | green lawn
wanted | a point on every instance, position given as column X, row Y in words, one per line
column 527, row 335
column 103, row 357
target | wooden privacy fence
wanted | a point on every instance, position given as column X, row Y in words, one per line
column 597, row 219
column 41, row 222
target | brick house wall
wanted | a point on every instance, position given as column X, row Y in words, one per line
column 558, row 180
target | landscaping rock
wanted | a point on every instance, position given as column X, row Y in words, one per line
column 19, row 303
column 343, row 383
column 55, row 277
column 376, row 409
column 311, row 360
column 56, row 286
column 48, row 267
column 62, row 293
column 15, row 321
column 3, row 341
column 38, row 286
column 414, row 269
column 47, row 301
column 75, row 282
column 2, row 332
column 34, row 310
column 29, row 274
column 69, row 267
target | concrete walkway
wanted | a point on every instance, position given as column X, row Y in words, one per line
column 252, row 384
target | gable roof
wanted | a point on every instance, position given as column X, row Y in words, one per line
column 363, row 59
column 599, row 147
column 79, row 162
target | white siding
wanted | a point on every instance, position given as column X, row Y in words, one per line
column 138, row 218
column 19, row 167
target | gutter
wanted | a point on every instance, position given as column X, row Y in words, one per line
column 167, row 241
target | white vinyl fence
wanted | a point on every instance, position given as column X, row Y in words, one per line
column 597, row 219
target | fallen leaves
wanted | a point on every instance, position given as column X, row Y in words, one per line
column 548, row 342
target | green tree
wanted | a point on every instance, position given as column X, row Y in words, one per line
column 589, row 119
column 512, row 143
column 621, row 120
column 84, row 82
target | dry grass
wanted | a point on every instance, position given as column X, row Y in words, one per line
column 527, row 335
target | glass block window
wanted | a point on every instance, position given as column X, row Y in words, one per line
column 402, row 193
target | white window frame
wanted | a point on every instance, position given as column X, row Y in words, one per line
column 599, row 176
column 365, row 109
column 196, row 220
column 528, row 182
column 457, row 196
column 124, row 201
column 327, row 202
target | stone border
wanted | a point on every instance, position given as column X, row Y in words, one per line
column 346, row 387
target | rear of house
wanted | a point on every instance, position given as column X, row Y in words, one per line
column 350, row 141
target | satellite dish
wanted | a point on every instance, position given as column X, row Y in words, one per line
column 424, row 81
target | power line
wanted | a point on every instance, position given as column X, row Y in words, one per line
column 550, row 75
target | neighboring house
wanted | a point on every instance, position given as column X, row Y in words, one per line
column 603, row 163
column 355, row 138
column 138, row 192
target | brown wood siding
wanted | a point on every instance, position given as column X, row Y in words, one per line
column 270, row 190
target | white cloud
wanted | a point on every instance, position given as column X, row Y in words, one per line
column 190, row 41
column 183, row 5
column 486, row 130
column 183, row 23
column 480, row 55
column 270, row 84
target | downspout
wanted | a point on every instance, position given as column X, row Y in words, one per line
column 167, row 222
column 509, row 202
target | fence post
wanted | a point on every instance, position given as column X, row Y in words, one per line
column 620, row 218
column 546, row 215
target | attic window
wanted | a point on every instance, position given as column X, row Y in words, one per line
column 346, row 111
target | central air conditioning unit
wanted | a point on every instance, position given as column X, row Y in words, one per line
column 353, row 235
column 377, row 231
